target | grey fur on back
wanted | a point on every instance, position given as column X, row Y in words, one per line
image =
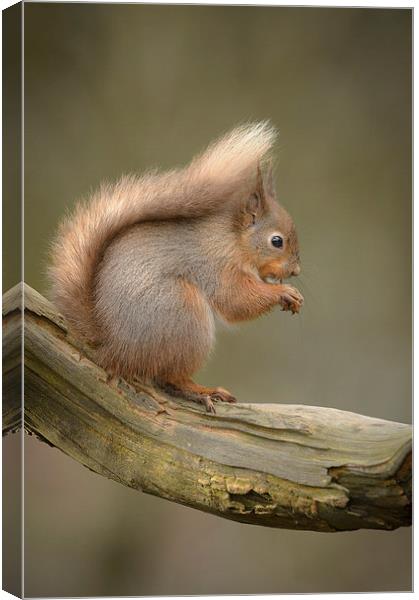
column 145, row 274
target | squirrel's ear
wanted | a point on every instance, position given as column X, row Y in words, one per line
column 254, row 204
column 269, row 181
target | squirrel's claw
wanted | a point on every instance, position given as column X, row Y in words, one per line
column 219, row 394
column 291, row 299
column 209, row 404
column 199, row 394
column 223, row 396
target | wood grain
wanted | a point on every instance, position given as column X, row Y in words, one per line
column 296, row 467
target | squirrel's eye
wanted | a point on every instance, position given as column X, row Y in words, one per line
column 277, row 241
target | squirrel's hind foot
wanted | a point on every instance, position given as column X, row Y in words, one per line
column 198, row 393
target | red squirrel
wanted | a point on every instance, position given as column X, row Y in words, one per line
column 144, row 265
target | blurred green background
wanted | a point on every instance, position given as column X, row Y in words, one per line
column 118, row 88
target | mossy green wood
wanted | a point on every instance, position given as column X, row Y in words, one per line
column 297, row 467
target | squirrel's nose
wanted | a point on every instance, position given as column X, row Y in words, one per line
column 296, row 270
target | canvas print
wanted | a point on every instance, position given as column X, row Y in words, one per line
column 207, row 334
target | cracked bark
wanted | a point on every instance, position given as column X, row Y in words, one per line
column 296, row 467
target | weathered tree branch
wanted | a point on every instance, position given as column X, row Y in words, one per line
column 298, row 467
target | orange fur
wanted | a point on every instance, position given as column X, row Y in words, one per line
column 273, row 269
column 249, row 298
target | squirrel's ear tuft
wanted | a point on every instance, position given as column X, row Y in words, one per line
column 269, row 181
column 254, row 205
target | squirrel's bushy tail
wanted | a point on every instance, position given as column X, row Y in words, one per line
column 226, row 166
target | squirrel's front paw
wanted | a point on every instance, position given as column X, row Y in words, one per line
column 290, row 299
